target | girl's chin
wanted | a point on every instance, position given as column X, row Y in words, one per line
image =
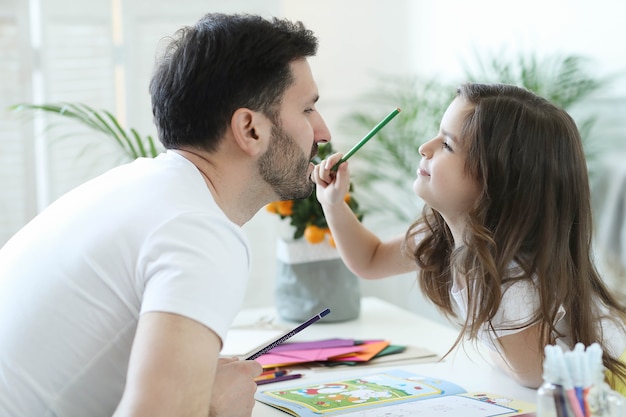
column 417, row 187
column 419, row 192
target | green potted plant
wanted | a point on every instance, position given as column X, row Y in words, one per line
column 310, row 275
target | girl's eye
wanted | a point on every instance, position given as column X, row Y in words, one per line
column 446, row 146
column 308, row 111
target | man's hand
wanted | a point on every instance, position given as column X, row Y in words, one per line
column 234, row 385
column 174, row 370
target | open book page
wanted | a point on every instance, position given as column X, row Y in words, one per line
column 394, row 393
column 460, row 405
column 365, row 392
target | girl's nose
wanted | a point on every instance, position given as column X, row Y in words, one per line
column 424, row 149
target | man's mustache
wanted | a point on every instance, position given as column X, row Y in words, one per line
column 314, row 150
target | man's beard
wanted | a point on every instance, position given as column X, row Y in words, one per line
column 285, row 167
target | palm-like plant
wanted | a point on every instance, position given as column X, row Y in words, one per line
column 130, row 141
column 562, row 79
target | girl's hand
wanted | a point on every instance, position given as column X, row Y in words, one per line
column 332, row 186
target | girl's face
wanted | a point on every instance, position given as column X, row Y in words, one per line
column 441, row 178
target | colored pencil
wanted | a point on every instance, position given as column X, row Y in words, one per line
column 367, row 137
column 290, row 333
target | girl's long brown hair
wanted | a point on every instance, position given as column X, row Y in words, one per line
column 535, row 210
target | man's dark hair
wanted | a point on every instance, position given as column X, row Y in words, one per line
column 222, row 63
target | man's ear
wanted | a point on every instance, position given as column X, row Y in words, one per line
column 251, row 130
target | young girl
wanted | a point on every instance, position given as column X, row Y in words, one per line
column 504, row 240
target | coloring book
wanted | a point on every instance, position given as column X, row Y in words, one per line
column 394, row 393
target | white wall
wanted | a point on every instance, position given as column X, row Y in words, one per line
column 449, row 31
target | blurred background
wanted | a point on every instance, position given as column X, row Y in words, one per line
column 374, row 55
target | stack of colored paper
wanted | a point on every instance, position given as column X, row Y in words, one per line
column 327, row 351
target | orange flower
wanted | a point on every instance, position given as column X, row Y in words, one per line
column 314, row 234
column 284, row 208
column 272, row 208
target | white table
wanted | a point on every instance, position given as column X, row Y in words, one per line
column 466, row 366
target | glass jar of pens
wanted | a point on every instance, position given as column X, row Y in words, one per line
column 574, row 385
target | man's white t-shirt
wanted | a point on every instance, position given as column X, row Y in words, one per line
column 146, row 236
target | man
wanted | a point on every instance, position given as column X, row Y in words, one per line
column 116, row 298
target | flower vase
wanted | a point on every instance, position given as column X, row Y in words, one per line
column 312, row 277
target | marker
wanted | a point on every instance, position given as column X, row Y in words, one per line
column 279, row 378
column 290, row 333
column 367, row 137
column 270, row 375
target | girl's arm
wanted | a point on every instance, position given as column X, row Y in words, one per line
column 362, row 251
column 520, row 356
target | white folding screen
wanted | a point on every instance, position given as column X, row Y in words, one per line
column 17, row 196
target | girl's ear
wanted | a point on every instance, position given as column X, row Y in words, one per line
column 251, row 130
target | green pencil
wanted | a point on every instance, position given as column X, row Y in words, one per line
column 367, row 137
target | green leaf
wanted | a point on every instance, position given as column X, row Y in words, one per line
column 130, row 141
